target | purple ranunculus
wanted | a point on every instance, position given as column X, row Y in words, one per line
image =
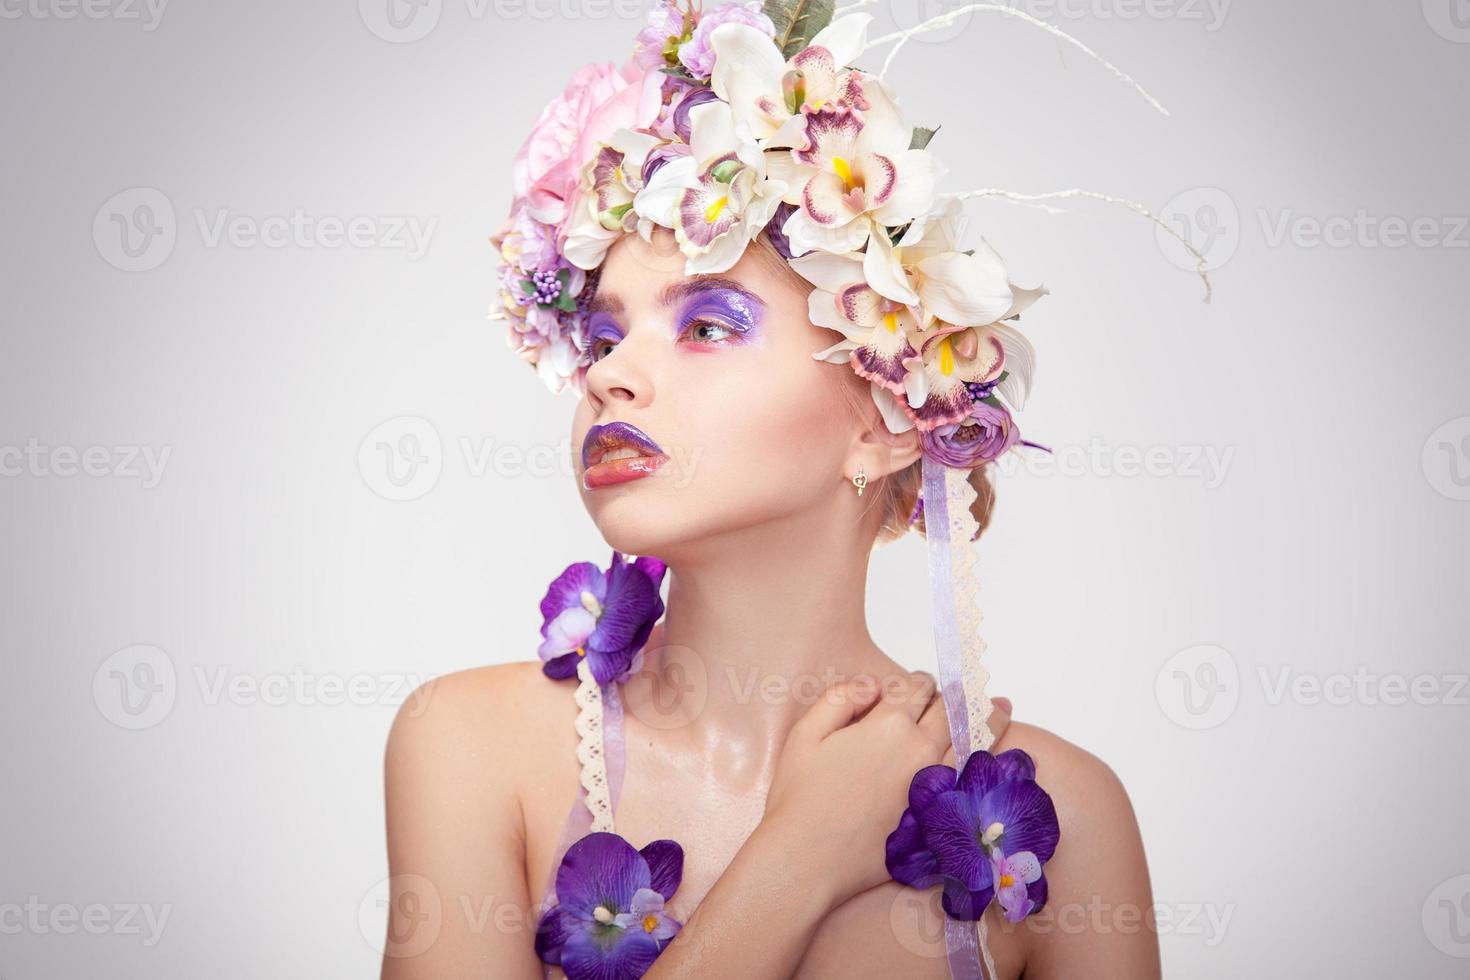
column 603, row 616
column 987, row 432
column 609, row 922
column 987, row 829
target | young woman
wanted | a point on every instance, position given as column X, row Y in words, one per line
column 782, row 806
column 793, row 793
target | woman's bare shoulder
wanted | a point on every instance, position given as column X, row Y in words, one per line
column 477, row 731
column 1099, row 862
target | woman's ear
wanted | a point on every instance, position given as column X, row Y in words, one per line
column 883, row 451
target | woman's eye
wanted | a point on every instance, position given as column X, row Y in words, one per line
column 600, row 349
column 708, row 331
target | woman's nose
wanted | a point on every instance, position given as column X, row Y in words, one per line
column 620, row 376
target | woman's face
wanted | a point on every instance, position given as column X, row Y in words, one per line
column 717, row 371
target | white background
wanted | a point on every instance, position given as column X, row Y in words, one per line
column 1330, row 837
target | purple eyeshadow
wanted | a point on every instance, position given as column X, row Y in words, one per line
column 738, row 310
column 601, row 326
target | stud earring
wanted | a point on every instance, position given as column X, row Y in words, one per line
column 861, row 480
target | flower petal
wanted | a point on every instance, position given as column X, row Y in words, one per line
column 608, row 953
column 961, row 903
column 565, row 591
column 907, row 857
column 967, row 290
column 551, row 934
column 567, row 632
column 599, row 868
column 1028, row 815
column 845, row 37
column 665, row 866
column 951, row 827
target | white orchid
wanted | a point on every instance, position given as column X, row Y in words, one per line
column 611, row 181
column 716, row 199
column 853, row 173
column 767, row 91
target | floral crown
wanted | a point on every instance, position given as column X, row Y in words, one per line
column 746, row 118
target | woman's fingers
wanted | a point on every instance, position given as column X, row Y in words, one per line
column 836, row 708
column 915, row 694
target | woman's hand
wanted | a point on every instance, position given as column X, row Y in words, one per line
column 842, row 779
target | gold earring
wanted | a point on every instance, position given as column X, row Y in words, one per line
column 861, row 480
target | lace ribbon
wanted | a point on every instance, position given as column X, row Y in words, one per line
column 600, row 750
column 949, row 529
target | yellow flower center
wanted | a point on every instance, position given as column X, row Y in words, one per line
column 843, row 170
column 946, row 357
column 890, row 320
column 1007, row 881
column 581, row 651
column 650, row 922
column 713, row 211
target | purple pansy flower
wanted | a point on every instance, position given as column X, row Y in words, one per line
column 985, row 830
column 609, row 922
column 603, row 616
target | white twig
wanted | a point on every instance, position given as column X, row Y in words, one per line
column 1199, row 259
column 945, row 19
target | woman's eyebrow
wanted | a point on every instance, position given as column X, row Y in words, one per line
column 684, row 288
column 674, row 292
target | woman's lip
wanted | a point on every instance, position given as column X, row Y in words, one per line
column 621, row 470
column 616, row 435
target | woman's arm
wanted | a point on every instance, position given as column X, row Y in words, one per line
column 840, row 787
column 459, row 905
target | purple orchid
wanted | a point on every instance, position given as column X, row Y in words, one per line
column 982, row 833
column 603, row 616
column 609, row 922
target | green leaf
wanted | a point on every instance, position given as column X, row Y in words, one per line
column 566, row 301
column 529, row 287
column 922, row 136
column 797, row 22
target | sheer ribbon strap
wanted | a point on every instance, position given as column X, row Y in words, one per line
column 601, row 753
column 949, row 529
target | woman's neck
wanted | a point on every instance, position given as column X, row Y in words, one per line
column 751, row 637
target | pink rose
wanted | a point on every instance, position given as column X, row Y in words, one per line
column 598, row 100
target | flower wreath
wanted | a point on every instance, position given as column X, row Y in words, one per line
column 741, row 119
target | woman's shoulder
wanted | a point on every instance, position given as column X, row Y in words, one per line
column 1099, row 861
column 480, row 731
column 468, row 706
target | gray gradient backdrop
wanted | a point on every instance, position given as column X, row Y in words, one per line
column 255, row 490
